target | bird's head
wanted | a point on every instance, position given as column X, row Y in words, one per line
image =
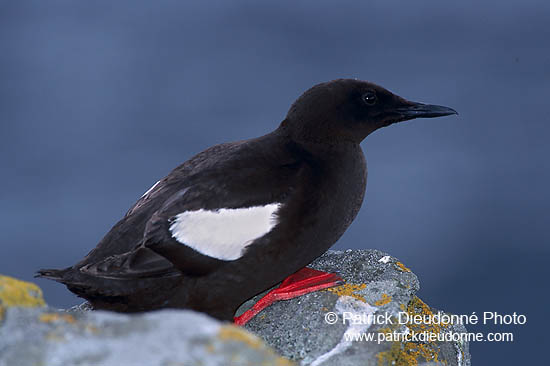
column 349, row 110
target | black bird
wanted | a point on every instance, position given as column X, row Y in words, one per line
column 238, row 218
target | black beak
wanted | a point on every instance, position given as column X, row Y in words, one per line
column 420, row 110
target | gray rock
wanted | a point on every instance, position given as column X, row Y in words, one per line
column 42, row 336
column 376, row 284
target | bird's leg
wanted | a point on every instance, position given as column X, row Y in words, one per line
column 304, row 281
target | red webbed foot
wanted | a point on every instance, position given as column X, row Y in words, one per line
column 304, row 281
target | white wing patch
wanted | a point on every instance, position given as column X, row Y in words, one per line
column 223, row 233
column 150, row 189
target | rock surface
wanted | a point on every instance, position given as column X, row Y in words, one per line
column 15, row 293
column 376, row 284
column 167, row 338
column 298, row 329
column 34, row 335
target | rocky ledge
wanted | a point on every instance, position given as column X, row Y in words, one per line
column 353, row 324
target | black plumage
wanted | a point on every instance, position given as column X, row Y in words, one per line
column 312, row 164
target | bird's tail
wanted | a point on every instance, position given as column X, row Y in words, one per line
column 52, row 274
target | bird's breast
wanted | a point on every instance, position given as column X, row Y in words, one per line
column 345, row 184
column 323, row 205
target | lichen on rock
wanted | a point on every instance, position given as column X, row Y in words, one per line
column 376, row 284
column 44, row 336
column 17, row 293
column 287, row 333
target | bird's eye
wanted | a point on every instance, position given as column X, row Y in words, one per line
column 369, row 98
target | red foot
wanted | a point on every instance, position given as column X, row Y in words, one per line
column 304, row 281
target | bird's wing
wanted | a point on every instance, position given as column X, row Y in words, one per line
column 200, row 215
column 201, row 227
column 139, row 263
column 195, row 231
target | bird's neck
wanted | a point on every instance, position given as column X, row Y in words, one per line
column 312, row 140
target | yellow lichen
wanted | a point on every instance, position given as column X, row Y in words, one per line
column 386, row 299
column 409, row 353
column 56, row 317
column 14, row 292
column 419, row 307
column 396, row 356
column 210, row 348
column 233, row 333
column 55, row 337
column 349, row 289
column 91, row 328
column 402, row 267
column 281, row 361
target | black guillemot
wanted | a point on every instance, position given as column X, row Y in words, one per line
column 240, row 217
